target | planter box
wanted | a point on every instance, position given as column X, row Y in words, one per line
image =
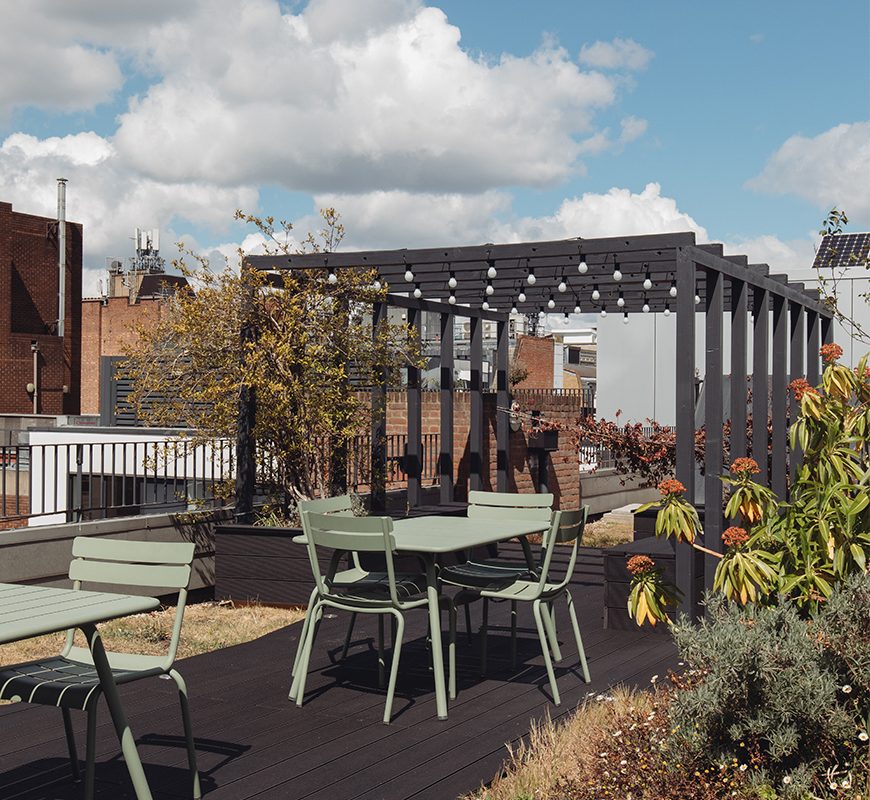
column 617, row 579
column 543, row 440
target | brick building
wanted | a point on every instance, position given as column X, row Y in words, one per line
column 29, row 312
column 108, row 323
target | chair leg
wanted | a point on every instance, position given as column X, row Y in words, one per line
column 483, row 628
column 71, row 744
column 91, row 750
column 302, row 674
column 549, row 617
column 348, row 635
column 316, row 615
column 381, row 667
column 580, row 650
column 394, row 666
column 305, row 624
column 188, row 731
column 513, row 634
column 468, row 622
column 451, row 651
column 542, row 635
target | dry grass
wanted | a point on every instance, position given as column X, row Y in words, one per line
column 207, row 627
column 607, row 532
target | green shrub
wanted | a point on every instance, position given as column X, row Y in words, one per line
column 785, row 696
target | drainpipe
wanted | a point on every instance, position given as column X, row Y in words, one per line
column 61, row 256
column 34, row 346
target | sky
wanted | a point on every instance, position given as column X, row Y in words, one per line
column 441, row 123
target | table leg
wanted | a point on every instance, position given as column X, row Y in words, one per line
column 435, row 633
column 113, row 701
column 527, row 552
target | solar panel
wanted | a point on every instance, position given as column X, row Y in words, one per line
column 843, row 250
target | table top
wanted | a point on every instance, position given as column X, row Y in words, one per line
column 447, row 534
column 27, row 611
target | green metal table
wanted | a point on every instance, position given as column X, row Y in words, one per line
column 433, row 536
column 28, row 611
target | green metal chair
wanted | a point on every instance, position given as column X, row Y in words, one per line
column 70, row 680
column 542, row 591
column 392, row 597
column 353, row 575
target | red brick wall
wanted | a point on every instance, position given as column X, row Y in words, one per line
column 107, row 327
column 535, row 353
column 563, row 472
column 28, row 312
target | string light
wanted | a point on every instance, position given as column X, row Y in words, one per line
column 451, row 281
column 377, row 283
column 332, row 278
column 645, row 307
column 697, row 299
column 667, row 309
column 617, row 273
column 603, row 311
column 596, row 295
column 551, row 303
column 566, row 320
column 409, row 275
column 582, row 267
column 541, row 314
column 514, row 309
column 673, row 290
column 562, row 287
column 452, row 299
column 491, row 272
column 418, row 292
column 647, row 282
column 490, row 289
column 621, row 301
column 530, row 278
column 625, row 318
column 576, row 306
column 521, row 297
column 484, row 305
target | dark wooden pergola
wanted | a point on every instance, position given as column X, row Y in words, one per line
column 662, row 273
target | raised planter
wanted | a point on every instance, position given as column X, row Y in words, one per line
column 617, row 579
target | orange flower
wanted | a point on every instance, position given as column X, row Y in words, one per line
column 830, row 352
column 671, row 486
column 745, row 466
column 800, row 387
column 734, row 536
column 640, row 565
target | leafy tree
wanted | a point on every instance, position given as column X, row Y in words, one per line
column 311, row 345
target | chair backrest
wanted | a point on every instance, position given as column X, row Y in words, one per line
column 143, row 565
column 568, row 527
column 341, row 505
column 507, row 505
column 342, row 535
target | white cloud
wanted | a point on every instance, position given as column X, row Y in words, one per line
column 617, row 54
column 106, row 197
column 317, row 102
column 631, row 128
column 794, row 256
column 831, row 169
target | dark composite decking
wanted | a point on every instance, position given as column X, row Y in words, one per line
column 253, row 743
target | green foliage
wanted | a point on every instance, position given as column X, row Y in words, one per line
column 651, row 598
column 785, row 696
column 296, row 345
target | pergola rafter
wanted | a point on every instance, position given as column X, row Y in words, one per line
column 668, row 273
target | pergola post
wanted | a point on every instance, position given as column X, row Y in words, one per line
column 503, row 402
column 813, row 336
column 713, row 413
column 378, row 478
column 414, row 450
column 739, row 305
column 475, row 433
column 685, row 417
column 445, row 457
column 778, row 404
column 760, row 336
column 796, row 370
column 246, row 463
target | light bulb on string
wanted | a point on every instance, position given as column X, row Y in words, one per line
column 490, row 289
column 530, row 278
column 603, row 311
column 566, row 319
column 409, row 275
column 521, row 297
column 541, row 314
column 620, row 301
column 645, row 307
column 673, row 290
column 491, row 272
column 377, row 284
column 577, row 308
column 697, row 299
column 332, row 277
column 418, row 292
column 451, row 281
column 596, row 295
column 582, row 267
column 667, row 311
column 551, row 303
column 452, row 299
column 562, row 287
column 625, row 318
column 647, row 281
column 617, row 273
column 514, row 309
column 484, row 305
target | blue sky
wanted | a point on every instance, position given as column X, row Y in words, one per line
column 450, row 122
